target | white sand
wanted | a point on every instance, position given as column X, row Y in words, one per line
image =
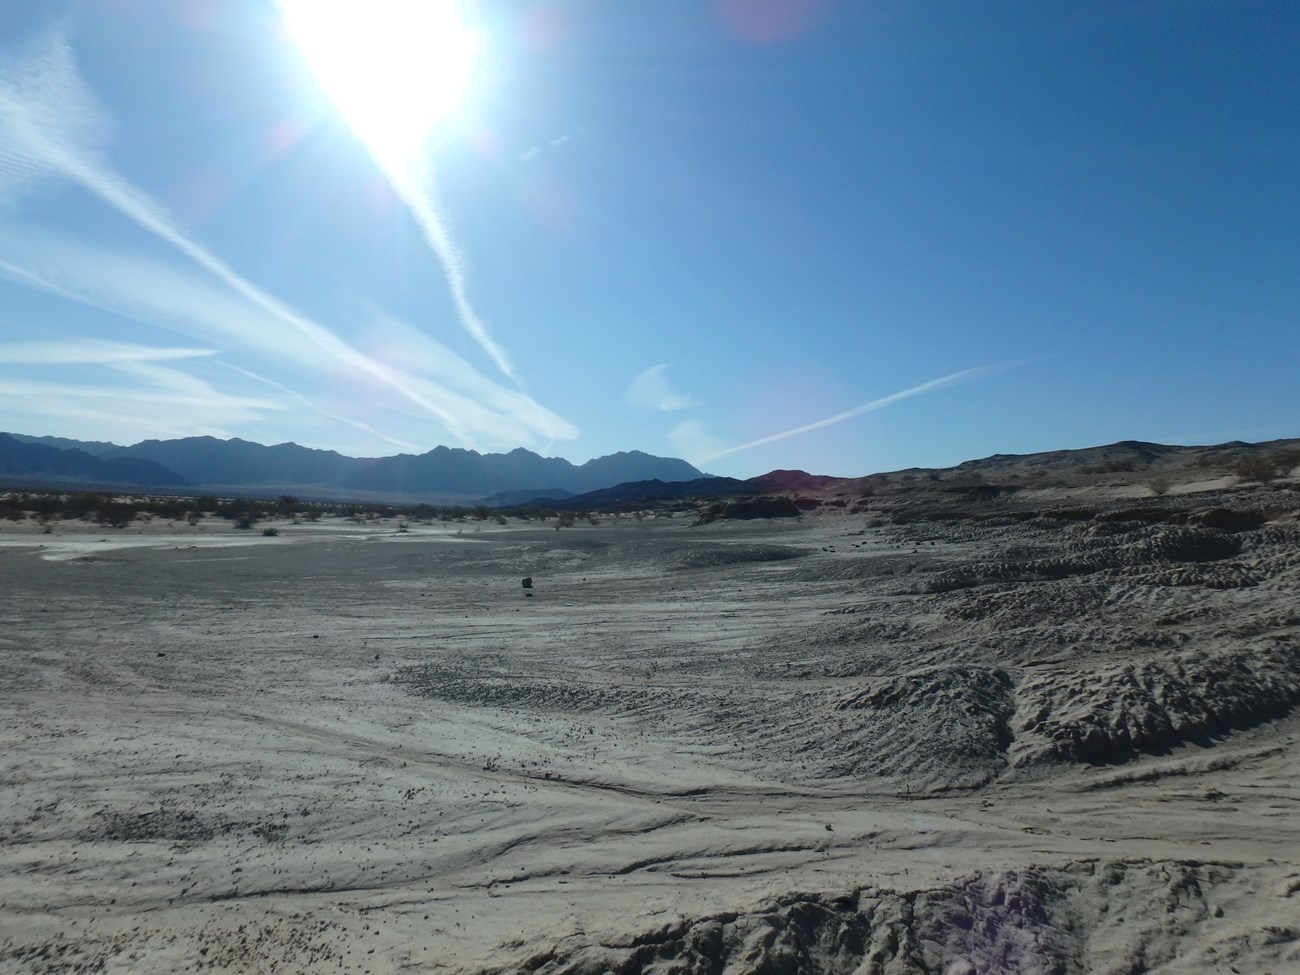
column 351, row 750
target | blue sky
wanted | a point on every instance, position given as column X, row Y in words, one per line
column 840, row 236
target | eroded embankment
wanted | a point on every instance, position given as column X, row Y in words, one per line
column 1084, row 917
column 1112, row 713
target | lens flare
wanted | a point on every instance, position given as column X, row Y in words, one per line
column 394, row 68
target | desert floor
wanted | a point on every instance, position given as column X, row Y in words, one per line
column 964, row 743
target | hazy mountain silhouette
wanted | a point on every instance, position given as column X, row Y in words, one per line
column 239, row 463
column 95, row 447
column 458, row 471
column 34, row 461
column 244, row 466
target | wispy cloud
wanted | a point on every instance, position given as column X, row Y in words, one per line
column 419, row 370
column 317, row 408
column 532, row 152
column 46, row 112
column 876, row 404
column 146, row 400
column 126, row 387
column 652, row 391
column 692, row 441
column 90, row 351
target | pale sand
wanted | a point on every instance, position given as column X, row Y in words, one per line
column 352, row 750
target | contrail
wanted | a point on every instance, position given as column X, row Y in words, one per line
column 415, row 188
column 875, row 404
column 364, row 427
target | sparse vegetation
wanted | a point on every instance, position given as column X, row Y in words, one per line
column 115, row 510
column 1262, row 469
column 115, row 514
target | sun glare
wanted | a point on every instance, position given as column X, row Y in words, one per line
column 394, row 68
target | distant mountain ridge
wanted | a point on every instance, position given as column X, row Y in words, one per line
column 462, row 471
column 235, row 462
column 38, row 460
column 212, row 463
column 95, row 447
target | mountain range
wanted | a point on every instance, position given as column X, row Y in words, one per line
column 241, row 466
column 453, row 475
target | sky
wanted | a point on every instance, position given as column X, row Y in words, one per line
column 843, row 236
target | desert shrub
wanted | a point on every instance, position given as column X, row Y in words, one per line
column 270, row 532
column 171, row 510
column 1257, row 468
column 527, row 512
column 80, row 505
column 44, row 506
column 116, row 514
column 244, row 512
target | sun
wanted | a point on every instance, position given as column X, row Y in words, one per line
column 394, row 68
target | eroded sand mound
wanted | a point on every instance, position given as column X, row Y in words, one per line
column 1109, row 714
column 1087, row 917
column 949, row 718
